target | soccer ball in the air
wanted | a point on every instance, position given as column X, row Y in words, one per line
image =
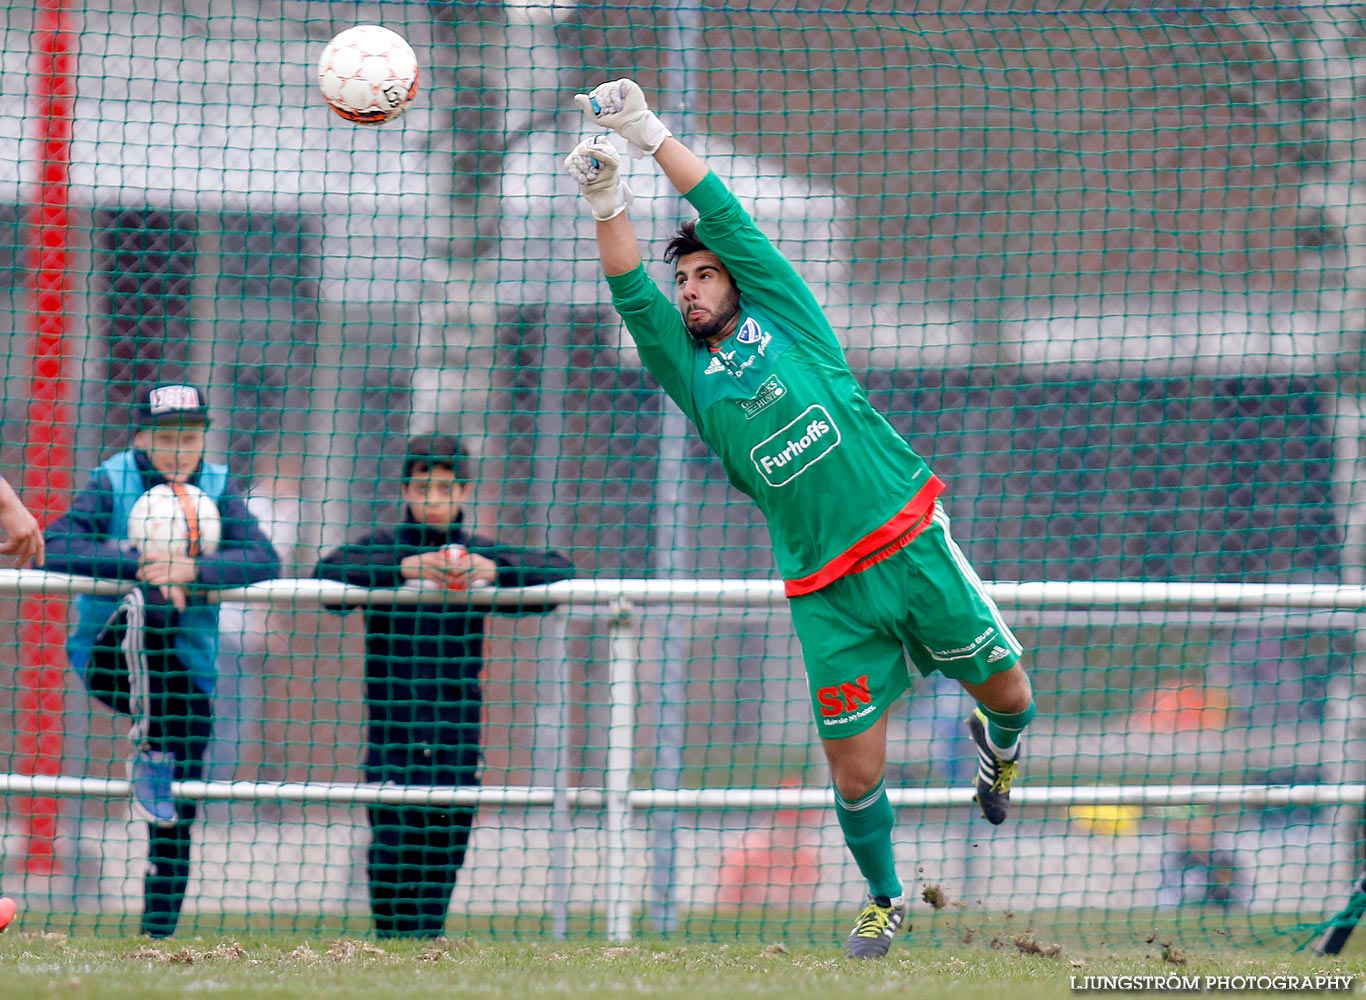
column 175, row 518
column 368, row 74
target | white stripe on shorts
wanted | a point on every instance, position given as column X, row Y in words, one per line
column 941, row 518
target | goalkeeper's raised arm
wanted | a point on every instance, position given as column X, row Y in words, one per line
column 764, row 275
column 653, row 321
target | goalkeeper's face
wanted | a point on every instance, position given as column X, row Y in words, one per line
column 174, row 449
column 707, row 297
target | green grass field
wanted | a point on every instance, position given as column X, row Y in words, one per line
column 1011, row 958
column 44, row 965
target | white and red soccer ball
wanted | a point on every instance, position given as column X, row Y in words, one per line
column 368, row 74
column 175, row 519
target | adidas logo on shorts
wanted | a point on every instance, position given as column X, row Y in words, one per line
column 997, row 653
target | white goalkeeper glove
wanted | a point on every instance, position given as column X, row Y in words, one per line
column 595, row 164
column 620, row 106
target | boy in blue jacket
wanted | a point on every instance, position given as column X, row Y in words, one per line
column 151, row 655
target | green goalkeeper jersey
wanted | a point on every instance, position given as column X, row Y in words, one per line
column 777, row 402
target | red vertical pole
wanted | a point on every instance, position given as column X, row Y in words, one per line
column 48, row 456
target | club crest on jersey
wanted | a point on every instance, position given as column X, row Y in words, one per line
column 752, row 335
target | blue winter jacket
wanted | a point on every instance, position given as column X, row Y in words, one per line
column 91, row 540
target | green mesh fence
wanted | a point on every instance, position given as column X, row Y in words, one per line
column 1102, row 266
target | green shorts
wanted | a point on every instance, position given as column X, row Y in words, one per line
column 924, row 600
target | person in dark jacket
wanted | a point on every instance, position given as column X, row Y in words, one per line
column 152, row 654
column 422, row 667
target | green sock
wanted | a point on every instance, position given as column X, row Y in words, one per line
column 1004, row 728
column 867, row 826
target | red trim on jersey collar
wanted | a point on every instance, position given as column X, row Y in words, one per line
column 875, row 546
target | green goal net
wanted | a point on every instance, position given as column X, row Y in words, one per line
column 1102, row 266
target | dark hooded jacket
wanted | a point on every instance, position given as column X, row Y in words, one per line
column 423, row 661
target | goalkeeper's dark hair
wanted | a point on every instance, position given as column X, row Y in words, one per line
column 435, row 451
column 684, row 242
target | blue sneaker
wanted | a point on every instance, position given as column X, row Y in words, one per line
column 151, row 774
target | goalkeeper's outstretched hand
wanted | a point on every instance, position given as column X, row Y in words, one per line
column 620, row 106
column 596, row 166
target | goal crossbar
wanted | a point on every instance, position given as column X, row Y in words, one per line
column 691, row 799
column 735, row 593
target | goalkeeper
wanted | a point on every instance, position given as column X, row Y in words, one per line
column 859, row 535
